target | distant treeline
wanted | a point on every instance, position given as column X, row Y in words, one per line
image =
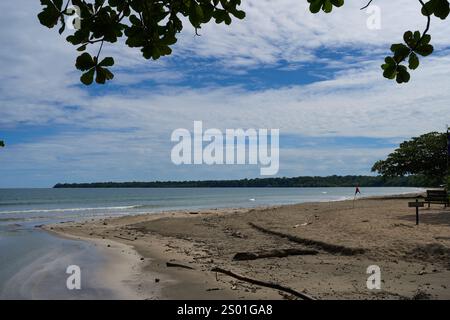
column 298, row 182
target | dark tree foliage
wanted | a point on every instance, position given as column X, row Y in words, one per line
column 2, row 144
column 425, row 155
column 296, row 182
column 152, row 26
column 405, row 55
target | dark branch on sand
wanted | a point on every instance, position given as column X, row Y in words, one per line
column 276, row 253
column 328, row 247
column 261, row 283
column 177, row 265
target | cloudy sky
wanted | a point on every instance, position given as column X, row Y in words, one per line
column 315, row 77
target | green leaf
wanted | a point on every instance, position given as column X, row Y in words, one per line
column 195, row 14
column 50, row 14
column 424, row 50
column 426, row 39
column 439, row 8
column 107, row 62
column 390, row 61
column 88, row 77
column 390, row 71
column 413, row 61
column 400, row 51
column 327, row 6
column 135, row 20
column 103, row 75
column 315, row 6
column 239, row 14
column 403, row 75
column 408, row 37
column 84, row 62
column 337, row 3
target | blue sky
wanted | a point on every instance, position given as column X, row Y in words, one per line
column 316, row 78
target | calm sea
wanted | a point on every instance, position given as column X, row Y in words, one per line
column 33, row 262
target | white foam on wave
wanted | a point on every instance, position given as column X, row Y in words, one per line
column 71, row 209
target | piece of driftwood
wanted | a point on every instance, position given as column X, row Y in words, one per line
column 328, row 247
column 261, row 283
column 124, row 238
column 276, row 253
column 177, row 265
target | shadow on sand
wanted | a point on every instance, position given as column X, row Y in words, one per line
column 434, row 216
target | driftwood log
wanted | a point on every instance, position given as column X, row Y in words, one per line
column 177, row 265
column 276, row 253
column 261, row 283
column 328, row 247
column 124, row 238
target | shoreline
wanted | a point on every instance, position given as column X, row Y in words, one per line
column 122, row 263
column 149, row 276
column 162, row 237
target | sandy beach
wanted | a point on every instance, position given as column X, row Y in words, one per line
column 335, row 242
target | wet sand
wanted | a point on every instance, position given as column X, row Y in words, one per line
column 348, row 237
column 41, row 270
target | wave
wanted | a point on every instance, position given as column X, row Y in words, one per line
column 75, row 209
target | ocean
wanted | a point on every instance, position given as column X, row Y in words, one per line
column 33, row 262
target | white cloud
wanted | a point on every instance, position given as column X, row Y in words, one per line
column 355, row 103
column 125, row 134
column 285, row 30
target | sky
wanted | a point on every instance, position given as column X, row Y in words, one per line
column 316, row 78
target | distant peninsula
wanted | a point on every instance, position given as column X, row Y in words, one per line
column 294, row 182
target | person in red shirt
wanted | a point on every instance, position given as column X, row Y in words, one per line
column 356, row 192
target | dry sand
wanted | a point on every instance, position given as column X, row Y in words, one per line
column 414, row 260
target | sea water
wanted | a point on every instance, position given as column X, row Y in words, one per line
column 33, row 262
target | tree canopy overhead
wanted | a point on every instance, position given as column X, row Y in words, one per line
column 153, row 25
column 150, row 25
column 425, row 155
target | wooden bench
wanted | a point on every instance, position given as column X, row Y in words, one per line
column 437, row 197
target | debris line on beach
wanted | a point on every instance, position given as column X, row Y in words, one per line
column 328, row 247
column 261, row 283
column 275, row 253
